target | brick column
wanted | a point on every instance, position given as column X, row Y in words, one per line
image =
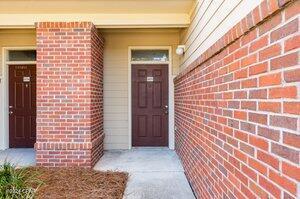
column 69, row 94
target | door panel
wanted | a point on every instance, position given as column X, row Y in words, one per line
column 157, row 95
column 149, row 101
column 157, row 127
column 142, row 125
column 142, row 95
column 22, row 106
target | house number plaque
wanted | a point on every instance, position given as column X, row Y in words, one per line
column 26, row 79
column 150, row 79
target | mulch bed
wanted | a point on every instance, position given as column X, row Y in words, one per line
column 78, row 183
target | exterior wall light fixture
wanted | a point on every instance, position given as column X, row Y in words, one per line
column 180, row 49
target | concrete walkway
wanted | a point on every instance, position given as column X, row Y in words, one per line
column 153, row 173
column 18, row 157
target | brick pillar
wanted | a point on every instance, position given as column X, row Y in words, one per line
column 69, row 94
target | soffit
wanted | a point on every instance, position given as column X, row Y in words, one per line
column 95, row 6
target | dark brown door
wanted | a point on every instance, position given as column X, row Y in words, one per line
column 149, row 105
column 22, row 106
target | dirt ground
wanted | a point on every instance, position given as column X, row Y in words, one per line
column 78, row 183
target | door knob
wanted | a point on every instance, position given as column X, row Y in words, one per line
column 166, row 110
column 10, row 112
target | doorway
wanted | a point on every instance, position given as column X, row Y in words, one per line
column 22, row 106
column 155, row 56
column 149, row 105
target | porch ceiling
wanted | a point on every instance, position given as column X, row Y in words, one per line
column 103, row 13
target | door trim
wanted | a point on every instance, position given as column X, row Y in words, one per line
column 171, row 135
column 4, row 92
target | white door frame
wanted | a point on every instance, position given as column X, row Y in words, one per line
column 4, row 92
column 171, row 136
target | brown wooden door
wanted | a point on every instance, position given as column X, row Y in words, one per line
column 22, row 106
column 149, row 105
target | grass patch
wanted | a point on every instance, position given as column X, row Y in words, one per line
column 43, row 183
column 16, row 183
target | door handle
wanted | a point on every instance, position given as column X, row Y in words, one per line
column 166, row 109
column 11, row 112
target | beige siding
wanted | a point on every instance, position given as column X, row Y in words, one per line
column 209, row 21
column 10, row 38
column 16, row 38
column 116, row 77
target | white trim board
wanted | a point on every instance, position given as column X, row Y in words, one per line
column 4, row 101
column 171, row 91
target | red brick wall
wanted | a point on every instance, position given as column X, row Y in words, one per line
column 69, row 94
column 237, row 109
column 97, row 95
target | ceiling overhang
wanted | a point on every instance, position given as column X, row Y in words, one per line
column 103, row 13
column 99, row 20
